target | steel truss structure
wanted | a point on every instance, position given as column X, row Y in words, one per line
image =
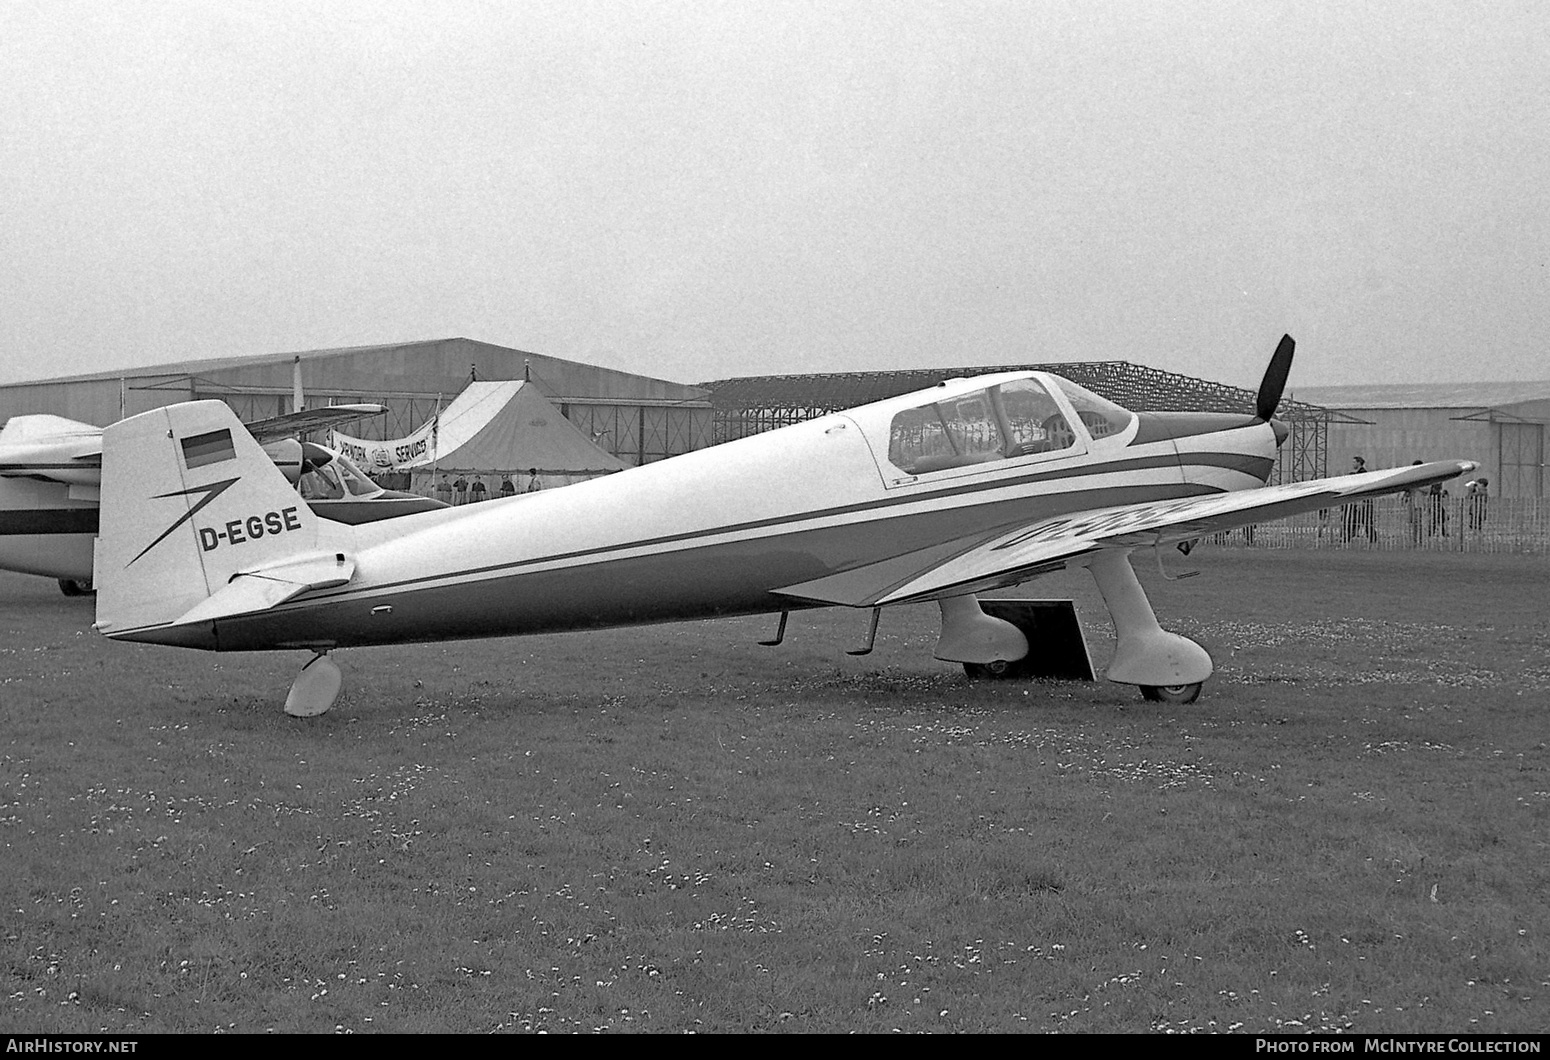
column 752, row 404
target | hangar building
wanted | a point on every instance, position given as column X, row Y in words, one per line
column 637, row 418
column 1499, row 425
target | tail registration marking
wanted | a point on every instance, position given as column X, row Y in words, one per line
column 249, row 529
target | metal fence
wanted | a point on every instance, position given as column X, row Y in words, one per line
column 1455, row 524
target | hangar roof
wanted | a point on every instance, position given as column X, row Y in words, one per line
column 206, row 365
column 405, row 363
column 1425, row 395
column 1134, row 386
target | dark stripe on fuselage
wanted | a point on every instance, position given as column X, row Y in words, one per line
column 48, row 521
column 1258, row 466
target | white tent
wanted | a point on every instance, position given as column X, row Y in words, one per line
column 490, row 429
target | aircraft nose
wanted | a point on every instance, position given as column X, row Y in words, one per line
column 1282, row 431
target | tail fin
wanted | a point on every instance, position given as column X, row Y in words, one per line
column 190, row 502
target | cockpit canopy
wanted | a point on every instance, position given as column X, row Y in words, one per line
column 1009, row 420
column 330, row 476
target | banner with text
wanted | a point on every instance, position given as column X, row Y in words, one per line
column 392, row 454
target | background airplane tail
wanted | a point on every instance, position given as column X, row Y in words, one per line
column 189, row 501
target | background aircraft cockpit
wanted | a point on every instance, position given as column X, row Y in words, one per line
column 330, row 476
column 338, row 490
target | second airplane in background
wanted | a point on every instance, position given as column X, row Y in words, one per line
column 51, row 473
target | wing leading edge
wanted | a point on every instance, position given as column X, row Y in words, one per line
column 978, row 565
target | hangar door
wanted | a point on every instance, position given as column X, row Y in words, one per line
column 1522, row 459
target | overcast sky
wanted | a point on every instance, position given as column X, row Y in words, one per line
column 694, row 190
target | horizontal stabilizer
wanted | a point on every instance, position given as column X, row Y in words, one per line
column 266, row 587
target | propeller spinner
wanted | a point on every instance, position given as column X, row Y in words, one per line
column 1274, row 382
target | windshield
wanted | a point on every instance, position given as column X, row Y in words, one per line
column 355, row 479
column 321, row 484
column 1100, row 416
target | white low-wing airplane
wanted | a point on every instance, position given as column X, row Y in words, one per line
column 973, row 485
column 51, row 471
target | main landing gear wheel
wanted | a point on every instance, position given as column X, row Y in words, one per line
column 1170, row 693
column 72, row 587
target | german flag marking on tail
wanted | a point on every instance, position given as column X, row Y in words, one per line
column 202, row 450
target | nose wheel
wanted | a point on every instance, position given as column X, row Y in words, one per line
column 1171, row 693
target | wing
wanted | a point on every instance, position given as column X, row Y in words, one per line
column 324, row 416
column 1010, row 557
column 50, row 447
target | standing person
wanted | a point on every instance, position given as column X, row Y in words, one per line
column 444, row 489
column 507, row 488
column 1477, row 497
column 1368, row 508
column 1353, row 512
column 460, row 489
column 1415, row 501
column 477, row 491
column 1437, row 508
column 533, row 485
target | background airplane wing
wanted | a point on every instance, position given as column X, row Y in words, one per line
column 324, row 416
column 1014, row 556
column 51, row 447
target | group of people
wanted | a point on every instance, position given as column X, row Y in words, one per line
column 1426, row 508
column 461, row 491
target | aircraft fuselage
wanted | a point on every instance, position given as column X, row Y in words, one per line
column 716, row 532
column 47, row 528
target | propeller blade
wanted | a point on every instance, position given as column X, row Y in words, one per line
column 1274, row 382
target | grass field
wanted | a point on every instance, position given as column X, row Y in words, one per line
column 672, row 829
